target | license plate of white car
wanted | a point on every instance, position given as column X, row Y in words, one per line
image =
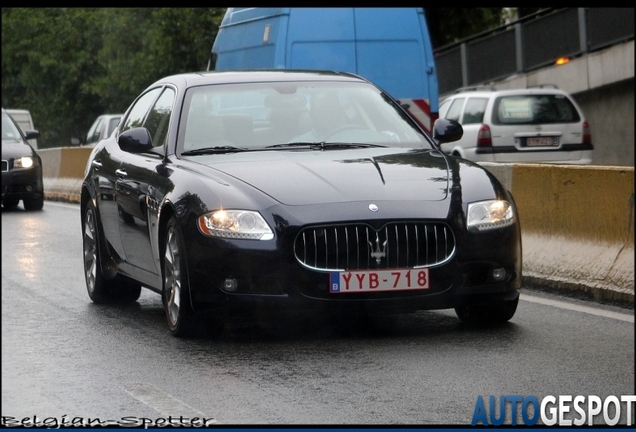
column 541, row 142
column 380, row 280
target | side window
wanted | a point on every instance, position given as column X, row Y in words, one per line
column 474, row 112
column 455, row 109
column 138, row 113
column 93, row 134
column 443, row 108
column 112, row 124
column 159, row 118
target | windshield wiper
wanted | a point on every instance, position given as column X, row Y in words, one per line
column 324, row 145
column 348, row 145
column 211, row 150
column 295, row 144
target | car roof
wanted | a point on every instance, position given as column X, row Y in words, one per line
column 261, row 75
column 483, row 92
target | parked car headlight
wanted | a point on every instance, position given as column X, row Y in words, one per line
column 236, row 224
column 486, row 215
column 23, row 162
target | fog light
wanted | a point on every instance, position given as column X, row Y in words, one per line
column 230, row 285
column 499, row 274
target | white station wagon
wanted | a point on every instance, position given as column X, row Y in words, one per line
column 537, row 124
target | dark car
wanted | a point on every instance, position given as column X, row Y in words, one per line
column 21, row 167
column 293, row 191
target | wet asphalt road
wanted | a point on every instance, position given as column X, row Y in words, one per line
column 65, row 358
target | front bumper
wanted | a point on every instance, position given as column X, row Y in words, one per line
column 269, row 277
column 19, row 184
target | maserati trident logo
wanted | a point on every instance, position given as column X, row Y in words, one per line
column 378, row 252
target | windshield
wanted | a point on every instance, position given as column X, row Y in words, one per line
column 292, row 115
column 9, row 129
column 534, row 109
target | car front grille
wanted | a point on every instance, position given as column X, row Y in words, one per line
column 5, row 165
column 361, row 247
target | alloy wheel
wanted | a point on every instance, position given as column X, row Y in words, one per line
column 90, row 250
column 172, row 277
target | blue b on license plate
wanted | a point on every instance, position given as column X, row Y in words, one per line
column 381, row 280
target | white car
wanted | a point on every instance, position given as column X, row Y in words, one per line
column 24, row 120
column 537, row 124
column 102, row 127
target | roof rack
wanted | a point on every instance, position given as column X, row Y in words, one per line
column 475, row 88
column 544, row 86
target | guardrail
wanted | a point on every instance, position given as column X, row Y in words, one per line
column 530, row 43
column 577, row 221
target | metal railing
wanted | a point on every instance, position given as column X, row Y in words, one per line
column 530, row 43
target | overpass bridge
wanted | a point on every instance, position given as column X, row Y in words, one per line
column 596, row 51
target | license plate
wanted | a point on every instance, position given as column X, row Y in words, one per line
column 381, row 280
column 541, row 142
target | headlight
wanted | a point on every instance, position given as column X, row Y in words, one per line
column 236, row 224
column 23, row 162
column 487, row 215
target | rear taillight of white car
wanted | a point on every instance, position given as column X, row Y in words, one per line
column 483, row 137
column 587, row 136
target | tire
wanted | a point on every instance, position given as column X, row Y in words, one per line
column 10, row 203
column 102, row 290
column 176, row 299
column 495, row 313
column 33, row 204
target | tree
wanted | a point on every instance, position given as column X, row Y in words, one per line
column 447, row 25
column 69, row 65
column 44, row 71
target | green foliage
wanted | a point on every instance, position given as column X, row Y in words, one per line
column 69, row 65
column 447, row 25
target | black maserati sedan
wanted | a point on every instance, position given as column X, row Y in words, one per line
column 292, row 191
column 21, row 167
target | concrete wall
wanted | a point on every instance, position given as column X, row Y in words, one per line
column 610, row 112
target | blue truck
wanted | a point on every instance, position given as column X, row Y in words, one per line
column 389, row 46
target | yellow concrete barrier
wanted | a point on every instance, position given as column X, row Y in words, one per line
column 63, row 171
column 577, row 226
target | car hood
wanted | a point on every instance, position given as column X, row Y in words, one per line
column 333, row 176
column 12, row 149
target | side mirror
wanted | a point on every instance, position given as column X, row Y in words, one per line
column 31, row 134
column 445, row 130
column 75, row 141
column 136, row 140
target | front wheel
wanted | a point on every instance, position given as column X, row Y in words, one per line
column 33, row 204
column 497, row 312
column 179, row 313
column 102, row 290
